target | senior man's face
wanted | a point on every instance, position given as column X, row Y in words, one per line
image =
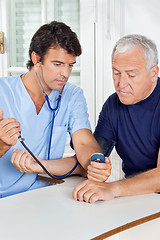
column 133, row 83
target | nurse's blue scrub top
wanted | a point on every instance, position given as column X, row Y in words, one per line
column 16, row 103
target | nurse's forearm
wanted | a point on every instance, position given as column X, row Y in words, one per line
column 3, row 148
column 64, row 165
column 84, row 153
column 85, row 145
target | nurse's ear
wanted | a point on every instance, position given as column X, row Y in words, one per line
column 35, row 59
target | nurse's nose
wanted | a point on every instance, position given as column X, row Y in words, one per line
column 65, row 71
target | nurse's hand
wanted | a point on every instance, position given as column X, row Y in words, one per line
column 23, row 161
column 9, row 132
column 99, row 171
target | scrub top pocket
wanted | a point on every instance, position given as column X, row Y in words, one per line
column 58, row 141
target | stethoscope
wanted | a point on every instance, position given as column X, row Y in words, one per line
column 51, row 131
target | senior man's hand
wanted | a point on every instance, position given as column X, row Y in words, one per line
column 99, row 171
column 92, row 191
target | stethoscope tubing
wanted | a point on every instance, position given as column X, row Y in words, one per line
column 42, row 166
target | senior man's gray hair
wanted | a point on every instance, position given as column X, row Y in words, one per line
column 148, row 47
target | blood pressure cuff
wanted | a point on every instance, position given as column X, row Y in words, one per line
column 106, row 145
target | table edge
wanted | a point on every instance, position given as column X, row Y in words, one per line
column 127, row 226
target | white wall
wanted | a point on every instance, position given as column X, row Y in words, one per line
column 143, row 17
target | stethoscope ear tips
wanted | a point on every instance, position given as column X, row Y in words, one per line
column 37, row 62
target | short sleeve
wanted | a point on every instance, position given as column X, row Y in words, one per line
column 78, row 118
column 106, row 123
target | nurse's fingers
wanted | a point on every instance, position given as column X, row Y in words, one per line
column 32, row 166
column 16, row 157
column 25, row 163
column 22, row 162
column 9, row 130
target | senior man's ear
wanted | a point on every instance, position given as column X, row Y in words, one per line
column 154, row 73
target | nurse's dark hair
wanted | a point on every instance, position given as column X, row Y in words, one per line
column 53, row 35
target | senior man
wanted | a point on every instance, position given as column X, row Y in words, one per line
column 130, row 118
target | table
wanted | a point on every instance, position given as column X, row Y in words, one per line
column 51, row 213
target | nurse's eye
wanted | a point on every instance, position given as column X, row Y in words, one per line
column 57, row 64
